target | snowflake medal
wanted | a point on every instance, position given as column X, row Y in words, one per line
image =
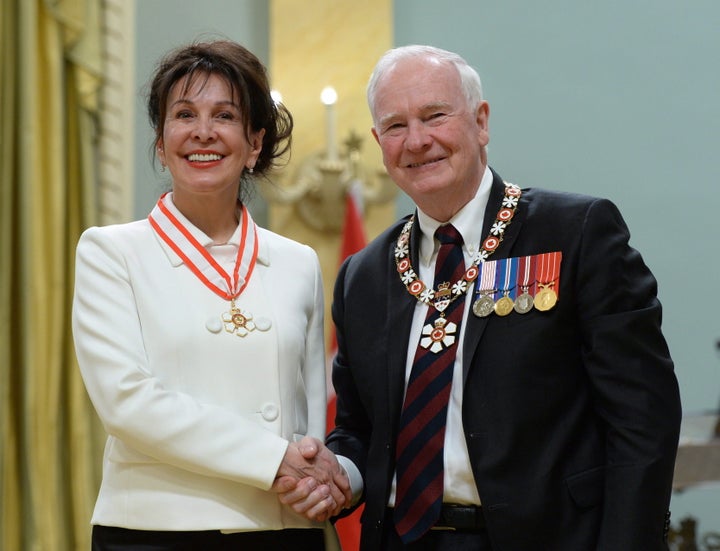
column 439, row 335
column 238, row 322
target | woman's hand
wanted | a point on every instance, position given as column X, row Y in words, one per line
column 311, row 481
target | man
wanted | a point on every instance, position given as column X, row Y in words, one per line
column 561, row 425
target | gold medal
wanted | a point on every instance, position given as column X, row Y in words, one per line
column 545, row 299
column 547, row 274
column 504, row 306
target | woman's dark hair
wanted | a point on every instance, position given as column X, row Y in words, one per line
column 248, row 82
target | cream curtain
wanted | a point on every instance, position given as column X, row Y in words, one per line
column 49, row 77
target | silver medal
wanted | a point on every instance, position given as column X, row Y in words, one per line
column 523, row 303
column 483, row 306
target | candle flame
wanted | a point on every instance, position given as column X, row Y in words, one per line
column 328, row 95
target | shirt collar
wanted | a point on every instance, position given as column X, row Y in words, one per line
column 468, row 221
column 204, row 240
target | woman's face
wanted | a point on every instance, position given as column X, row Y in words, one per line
column 204, row 144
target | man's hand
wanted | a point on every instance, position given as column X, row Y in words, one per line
column 311, row 481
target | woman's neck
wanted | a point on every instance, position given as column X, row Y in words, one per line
column 215, row 217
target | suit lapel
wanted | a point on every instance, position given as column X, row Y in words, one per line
column 475, row 325
column 399, row 313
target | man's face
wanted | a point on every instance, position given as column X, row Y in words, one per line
column 432, row 142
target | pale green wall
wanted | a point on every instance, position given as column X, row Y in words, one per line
column 164, row 24
column 617, row 98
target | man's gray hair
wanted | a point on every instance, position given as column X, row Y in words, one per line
column 469, row 78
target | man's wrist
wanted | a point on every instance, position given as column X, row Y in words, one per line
column 354, row 476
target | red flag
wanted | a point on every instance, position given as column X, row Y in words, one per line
column 353, row 239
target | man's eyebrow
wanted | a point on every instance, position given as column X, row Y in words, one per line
column 388, row 119
column 432, row 106
column 435, row 105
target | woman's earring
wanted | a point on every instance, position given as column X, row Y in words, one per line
column 251, row 170
column 162, row 168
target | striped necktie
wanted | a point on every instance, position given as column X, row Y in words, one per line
column 422, row 422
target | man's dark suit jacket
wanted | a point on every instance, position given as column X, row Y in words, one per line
column 571, row 416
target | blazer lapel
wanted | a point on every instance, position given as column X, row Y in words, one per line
column 399, row 313
column 475, row 326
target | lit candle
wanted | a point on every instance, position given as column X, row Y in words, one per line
column 329, row 96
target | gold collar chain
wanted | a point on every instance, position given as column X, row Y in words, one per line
column 439, row 297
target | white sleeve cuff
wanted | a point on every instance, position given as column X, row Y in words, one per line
column 353, row 473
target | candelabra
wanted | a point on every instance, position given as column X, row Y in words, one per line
column 317, row 189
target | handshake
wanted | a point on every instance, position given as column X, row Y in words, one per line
column 311, row 481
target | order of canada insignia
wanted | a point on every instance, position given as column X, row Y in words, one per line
column 439, row 335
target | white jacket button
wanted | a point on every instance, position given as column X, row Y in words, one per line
column 263, row 323
column 214, row 324
column 270, row 411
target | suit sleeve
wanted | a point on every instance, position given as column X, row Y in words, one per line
column 351, row 435
column 633, row 382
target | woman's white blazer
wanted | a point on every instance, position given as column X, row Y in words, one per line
column 198, row 419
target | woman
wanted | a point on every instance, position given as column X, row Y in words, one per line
column 200, row 335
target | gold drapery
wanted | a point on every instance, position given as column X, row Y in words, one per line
column 50, row 57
